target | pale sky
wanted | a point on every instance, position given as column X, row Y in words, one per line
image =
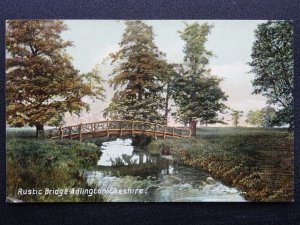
column 230, row 41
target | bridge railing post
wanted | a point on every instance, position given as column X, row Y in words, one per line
column 120, row 128
column 80, row 132
column 70, row 132
column 132, row 126
column 107, row 128
column 93, row 129
column 61, row 132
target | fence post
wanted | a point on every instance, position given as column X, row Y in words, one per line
column 190, row 133
column 165, row 128
column 155, row 134
column 80, row 132
column 173, row 131
column 107, row 128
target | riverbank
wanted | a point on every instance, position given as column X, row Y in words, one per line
column 47, row 165
column 258, row 161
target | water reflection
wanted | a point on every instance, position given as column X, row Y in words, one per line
column 121, row 153
column 123, row 169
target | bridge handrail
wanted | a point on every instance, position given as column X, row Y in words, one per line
column 130, row 121
column 79, row 128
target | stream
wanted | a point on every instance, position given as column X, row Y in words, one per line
column 129, row 174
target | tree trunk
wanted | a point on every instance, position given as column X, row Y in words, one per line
column 38, row 128
column 167, row 105
column 140, row 93
column 291, row 127
column 193, row 126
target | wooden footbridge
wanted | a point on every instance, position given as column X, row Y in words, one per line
column 114, row 128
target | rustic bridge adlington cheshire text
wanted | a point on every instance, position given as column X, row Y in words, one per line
column 114, row 128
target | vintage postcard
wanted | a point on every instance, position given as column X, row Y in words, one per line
column 149, row 111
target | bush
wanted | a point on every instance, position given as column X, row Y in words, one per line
column 40, row 164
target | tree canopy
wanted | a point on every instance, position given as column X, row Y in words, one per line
column 255, row 117
column 138, row 76
column 94, row 81
column 197, row 93
column 235, row 116
column 41, row 80
column 262, row 117
column 273, row 66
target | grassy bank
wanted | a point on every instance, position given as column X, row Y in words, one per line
column 258, row 161
column 41, row 164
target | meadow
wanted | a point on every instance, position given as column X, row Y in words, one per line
column 258, row 161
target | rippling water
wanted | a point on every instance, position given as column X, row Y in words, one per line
column 128, row 175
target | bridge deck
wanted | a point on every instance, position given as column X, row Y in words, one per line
column 116, row 128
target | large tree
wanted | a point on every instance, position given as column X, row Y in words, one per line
column 273, row 66
column 138, row 76
column 41, row 81
column 196, row 92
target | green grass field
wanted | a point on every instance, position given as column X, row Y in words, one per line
column 258, row 161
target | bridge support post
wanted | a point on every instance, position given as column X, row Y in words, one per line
column 80, row 132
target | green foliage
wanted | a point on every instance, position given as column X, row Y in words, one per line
column 169, row 84
column 196, row 92
column 273, row 66
column 95, row 82
column 139, row 74
column 28, row 133
column 41, row 81
column 264, row 117
column 236, row 115
column 258, row 161
column 255, row 117
column 36, row 164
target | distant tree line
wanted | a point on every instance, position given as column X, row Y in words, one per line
column 263, row 118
